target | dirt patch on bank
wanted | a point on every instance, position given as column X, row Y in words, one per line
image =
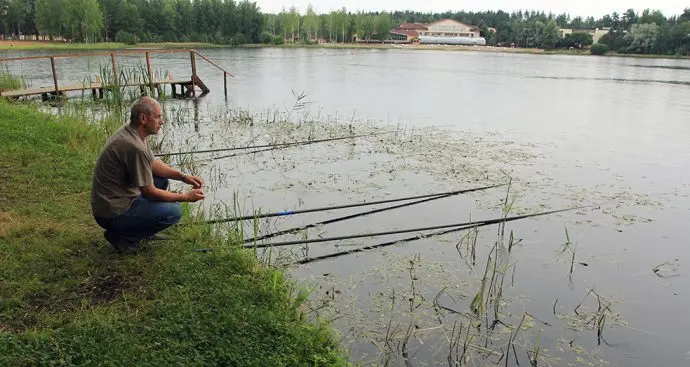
column 22, row 43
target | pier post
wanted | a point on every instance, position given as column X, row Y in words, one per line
column 225, row 84
column 148, row 68
column 52, row 65
column 192, row 57
column 112, row 57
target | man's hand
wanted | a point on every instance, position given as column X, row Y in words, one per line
column 163, row 170
column 151, row 192
column 195, row 181
column 194, row 195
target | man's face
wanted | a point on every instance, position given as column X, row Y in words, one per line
column 153, row 122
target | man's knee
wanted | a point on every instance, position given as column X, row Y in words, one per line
column 172, row 213
column 103, row 222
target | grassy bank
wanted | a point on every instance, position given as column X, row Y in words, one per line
column 401, row 47
column 531, row 51
column 66, row 297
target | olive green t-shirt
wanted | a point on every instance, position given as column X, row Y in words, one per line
column 123, row 166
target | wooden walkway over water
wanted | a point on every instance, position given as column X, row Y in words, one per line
column 187, row 86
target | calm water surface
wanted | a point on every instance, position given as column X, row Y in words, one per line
column 570, row 130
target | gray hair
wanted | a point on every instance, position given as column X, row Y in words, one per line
column 142, row 105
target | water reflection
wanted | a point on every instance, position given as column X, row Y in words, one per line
column 678, row 82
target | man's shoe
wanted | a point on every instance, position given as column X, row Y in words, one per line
column 121, row 245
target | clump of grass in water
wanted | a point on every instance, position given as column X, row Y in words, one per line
column 568, row 246
column 9, row 81
column 596, row 319
column 112, row 111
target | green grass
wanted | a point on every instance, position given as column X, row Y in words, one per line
column 66, row 297
column 34, row 45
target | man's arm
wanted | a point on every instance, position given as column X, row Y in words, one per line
column 154, row 193
column 161, row 169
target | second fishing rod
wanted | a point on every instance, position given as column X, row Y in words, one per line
column 345, row 206
column 266, row 147
column 365, row 213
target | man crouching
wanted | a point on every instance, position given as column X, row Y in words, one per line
column 130, row 197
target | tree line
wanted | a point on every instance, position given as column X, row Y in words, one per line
column 239, row 22
column 131, row 21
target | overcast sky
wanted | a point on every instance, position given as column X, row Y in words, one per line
column 584, row 8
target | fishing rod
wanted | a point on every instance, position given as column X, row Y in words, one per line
column 376, row 234
column 385, row 244
column 287, row 145
column 278, row 145
column 361, row 214
column 408, row 239
column 254, row 151
column 344, row 206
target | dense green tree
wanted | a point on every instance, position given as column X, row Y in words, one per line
column 183, row 22
column 642, row 38
column 46, row 21
column 383, row 26
column 250, row 22
column 311, row 23
column 14, row 16
column 648, row 16
column 292, row 23
column 365, row 26
column 629, row 18
column 550, row 36
column 599, row 49
column 577, row 40
column 82, row 19
column 577, row 23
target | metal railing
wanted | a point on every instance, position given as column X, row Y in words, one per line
column 192, row 55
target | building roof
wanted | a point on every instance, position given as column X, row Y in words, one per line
column 585, row 29
column 425, row 26
column 413, row 26
column 472, row 27
column 406, row 32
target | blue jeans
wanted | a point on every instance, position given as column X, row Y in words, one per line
column 144, row 218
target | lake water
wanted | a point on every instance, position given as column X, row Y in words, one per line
column 568, row 130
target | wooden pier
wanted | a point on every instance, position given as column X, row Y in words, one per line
column 187, row 86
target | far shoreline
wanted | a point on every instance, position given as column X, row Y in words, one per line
column 20, row 45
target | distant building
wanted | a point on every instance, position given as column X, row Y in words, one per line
column 444, row 31
column 596, row 33
column 403, row 35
